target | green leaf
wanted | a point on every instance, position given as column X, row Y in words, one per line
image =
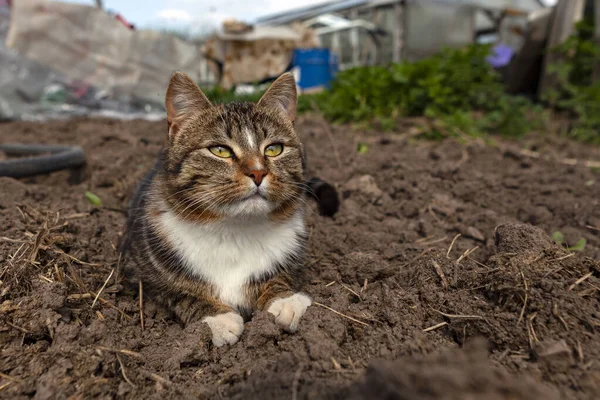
column 579, row 246
column 362, row 148
column 558, row 237
column 93, row 199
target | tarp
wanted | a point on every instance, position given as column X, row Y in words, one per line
column 85, row 43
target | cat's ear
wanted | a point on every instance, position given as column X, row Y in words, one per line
column 183, row 98
column 282, row 95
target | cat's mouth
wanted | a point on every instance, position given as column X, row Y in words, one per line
column 254, row 195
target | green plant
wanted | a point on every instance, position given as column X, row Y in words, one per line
column 93, row 199
column 559, row 238
column 457, row 87
column 577, row 82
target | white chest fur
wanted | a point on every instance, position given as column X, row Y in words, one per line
column 227, row 254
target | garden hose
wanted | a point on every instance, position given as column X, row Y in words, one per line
column 46, row 159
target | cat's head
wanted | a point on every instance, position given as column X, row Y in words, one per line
column 233, row 160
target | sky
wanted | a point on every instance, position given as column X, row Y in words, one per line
column 199, row 15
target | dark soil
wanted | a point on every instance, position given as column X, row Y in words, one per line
column 405, row 308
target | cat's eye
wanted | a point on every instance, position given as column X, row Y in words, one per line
column 274, row 150
column 221, row 151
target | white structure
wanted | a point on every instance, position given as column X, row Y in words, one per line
column 366, row 32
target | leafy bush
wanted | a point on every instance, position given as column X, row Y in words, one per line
column 456, row 86
column 577, row 89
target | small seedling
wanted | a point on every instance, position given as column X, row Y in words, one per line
column 579, row 246
column 93, row 199
column 362, row 148
column 559, row 238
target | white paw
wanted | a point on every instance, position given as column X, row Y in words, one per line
column 226, row 328
column 289, row 310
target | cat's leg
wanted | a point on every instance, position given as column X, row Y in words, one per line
column 278, row 298
column 225, row 323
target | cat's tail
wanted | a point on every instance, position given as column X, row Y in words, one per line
column 325, row 195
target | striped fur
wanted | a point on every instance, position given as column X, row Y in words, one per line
column 206, row 240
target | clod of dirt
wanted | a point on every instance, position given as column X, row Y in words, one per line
column 12, row 192
column 458, row 374
column 356, row 267
column 523, row 238
column 261, row 330
column 366, row 186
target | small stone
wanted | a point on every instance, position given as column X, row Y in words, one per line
column 474, row 233
column 551, row 349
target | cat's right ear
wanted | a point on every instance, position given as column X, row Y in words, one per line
column 183, row 98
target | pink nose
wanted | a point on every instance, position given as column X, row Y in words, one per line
column 257, row 175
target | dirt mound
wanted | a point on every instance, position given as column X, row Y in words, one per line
column 459, row 375
column 434, row 244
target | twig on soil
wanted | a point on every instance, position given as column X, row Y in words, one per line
column 525, row 300
column 336, row 365
column 433, row 242
column 10, row 378
column 452, row 245
column 157, row 378
column 531, row 332
column 579, row 351
column 76, row 259
column 564, row 161
column 17, row 327
column 2, row 387
column 79, row 296
column 434, row 327
column 331, row 283
column 77, row 216
column 102, row 288
column 122, row 351
column 364, row 287
column 560, row 318
column 466, row 254
column 9, row 240
column 580, row 280
column 458, row 316
column 296, row 381
column 123, row 371
column 478, row 263
column 340, row 314
column 351, row 291
column 592, row 228
column 38, row 242
column 141, row 304
column 440, row 273
column 562, row 258
column 108, row 303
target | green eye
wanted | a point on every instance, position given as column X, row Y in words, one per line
column 221, row 151
column 274, row 150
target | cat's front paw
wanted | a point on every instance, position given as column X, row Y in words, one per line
column 289, row 310
column 226, row 328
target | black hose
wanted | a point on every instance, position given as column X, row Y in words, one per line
column 60, row 157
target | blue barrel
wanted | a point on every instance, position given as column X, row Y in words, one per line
column 317, row 67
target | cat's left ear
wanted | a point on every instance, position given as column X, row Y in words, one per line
column 282, row 95
column 183, row 98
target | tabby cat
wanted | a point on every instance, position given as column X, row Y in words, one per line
column 216, row 229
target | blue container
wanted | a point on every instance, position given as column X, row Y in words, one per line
column 317, row 67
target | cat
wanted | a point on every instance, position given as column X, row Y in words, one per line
column 216, row 229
